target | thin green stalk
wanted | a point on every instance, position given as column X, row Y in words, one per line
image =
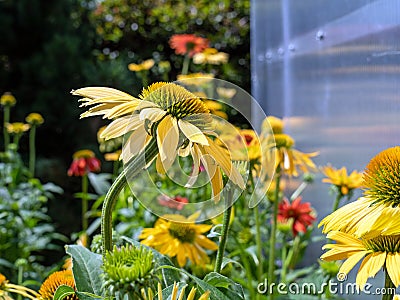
column 16, row 139
column 272, row 239
column 225, row 230
column 85, row 205
column 132, row 169
column 20, row 279
column 337, row 201
column 115, row 168
column 284, row 261
column 186, row 63
column 247, row 267
column 389, row 287
column 5, row 132
column 32, row 150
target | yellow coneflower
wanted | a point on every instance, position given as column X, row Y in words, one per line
column 210, row 56
column 378, row 252
column 17, row 127
column 114, row 156
column 7, row 99
column 273, row 125
column 343, row 181
column 177, row 236
column 195, row 79
column 55, row 280
column 226, row 93
column 7, row 288
column 144, row 66
column 281, row 148
column 216, row 108
column 175, row 118
column 377, row 213
column 34, row 119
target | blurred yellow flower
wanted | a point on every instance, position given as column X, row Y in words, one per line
column 6, row 288
column 272, row 123
column 34, row 119
column 7, row 99
column 144, row 66
column 85, row 153
column 17, row 127
column 210, row 56
column 226, row 93
column 216, row 108
column 289, row 160
column 180, row 237
column 196, row 79
column 344, row 182
column 114, row 156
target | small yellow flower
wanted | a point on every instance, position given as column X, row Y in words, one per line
column 196, row 79
column 272, row 123
column 376, row 253
column 17, row 127
column 55, row 280
column 7, row 99
column 144, row 66
column 114, row 156
column 396, row 297
column 180, row 238
column 226, row 93
column 344, row 182
column 85, row 153
column 34, row 119
column 216, row 108
column 6, row 288
column 211, row 56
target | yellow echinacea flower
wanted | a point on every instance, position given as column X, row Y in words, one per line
column 175, row 118
column 378, row 252
column 343, row 181
column 177, row 236
column 144, row 66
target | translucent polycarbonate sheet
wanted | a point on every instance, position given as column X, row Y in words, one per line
column 331, row 69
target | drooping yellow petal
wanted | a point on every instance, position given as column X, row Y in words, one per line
column 100, row 92
column 352, row 261
column 393, row 267
column 153, row 114
column 371, row 264
column 192, row 132
column 120, row 126
column 167, row 140
column 134, row 144
column 123, row 109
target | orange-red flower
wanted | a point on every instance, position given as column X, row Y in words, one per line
column 83, row 163
column 301, row 213
column 178, row 202
column 189, row 44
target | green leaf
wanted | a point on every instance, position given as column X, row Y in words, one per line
column 169, row 276
column 86, row 267
column 233, row 289
column 227, row 260
column 100, row 182
column 87, row 296
column 63, row 291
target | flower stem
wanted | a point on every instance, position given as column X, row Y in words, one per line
column 131, row 169
column 225, row 230
column 272, row 238
column 5, row 121
column 337, row 201
column 390, row 289
column 85, row 185
column 32, row 150
column 186, row 63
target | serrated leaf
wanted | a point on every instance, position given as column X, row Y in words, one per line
column 63, row 291
column 86, row 267
column 234, row 290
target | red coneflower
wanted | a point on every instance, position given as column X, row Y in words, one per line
column 188, row 44
column 83, row 162
column 301, row 213
column 178, row 202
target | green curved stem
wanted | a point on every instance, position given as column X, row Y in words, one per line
column 224, row 234
column 337, row 201
column 272, row 239
column 5, row 132
column 390, row 289
column 32, row 150
column 132, row 168
column 186, row 63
